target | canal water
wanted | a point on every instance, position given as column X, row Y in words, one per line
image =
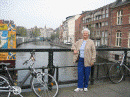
column 59, row 59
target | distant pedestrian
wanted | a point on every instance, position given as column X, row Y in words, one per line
column 85, row 49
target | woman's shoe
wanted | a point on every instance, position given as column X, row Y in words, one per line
column 85, row 89
column 78, row 89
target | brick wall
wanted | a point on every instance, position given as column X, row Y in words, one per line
column 77, row 28
column 124, row 28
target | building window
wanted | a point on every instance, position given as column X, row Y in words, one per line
column 83, row 20
column 92, row 25
column 92, row 34
column 129, row 40
column 106, row 23
column 96, row 17
column 118, row 39
column 88, row 20
column 106, row 15
column 96, row 25
column 102, row 23
column 98, row 33
column 97, row 42
column 100, row 17
column 103, row 11
column 119, row 17
column 104, row 39
column 103, row 16
column 107, row 9
column 92, row 19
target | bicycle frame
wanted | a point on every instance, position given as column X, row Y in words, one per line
column 30, row 72
column 122, row 63
column 126, row 67
column 25, row 78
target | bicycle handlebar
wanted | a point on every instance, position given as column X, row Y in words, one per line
column 2, row 63
column 25, row 62
column 32, row 53
column 31, row 57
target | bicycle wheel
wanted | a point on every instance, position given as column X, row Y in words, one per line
column 4, row 87
column 44, row 85
column 116, row 73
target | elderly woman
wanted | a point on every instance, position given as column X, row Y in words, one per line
column 85, row 49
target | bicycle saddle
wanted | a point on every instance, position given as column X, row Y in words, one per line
column 5, row 64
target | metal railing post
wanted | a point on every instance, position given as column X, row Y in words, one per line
column 50, row 66
column 125, row 51
column 125, row 56
column 43, row 70
column 57, row 74
column 50, row 58
column 92, row 75
column 50, row 63
column 97, row 71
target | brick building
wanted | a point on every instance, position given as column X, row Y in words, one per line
column 78, row 26
column 120, row 24
column 98, row 21
column 61, row 33
column 109, row 25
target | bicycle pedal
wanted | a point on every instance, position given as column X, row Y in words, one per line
column 39, row 89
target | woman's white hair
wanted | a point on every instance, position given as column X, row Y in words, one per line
column 86, row 29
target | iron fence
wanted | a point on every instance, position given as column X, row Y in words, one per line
column 95, row 70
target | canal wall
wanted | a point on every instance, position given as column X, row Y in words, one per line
column 21, row 40
column 60, row 45
column 113, row 56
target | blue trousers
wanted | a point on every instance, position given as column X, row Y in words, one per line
column 83, row 74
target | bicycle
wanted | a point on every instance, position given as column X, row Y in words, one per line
column 42, row 84
column 116, row 71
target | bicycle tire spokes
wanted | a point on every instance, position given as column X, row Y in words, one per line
column 44, row 87
column 116, row 73
column 4, row 87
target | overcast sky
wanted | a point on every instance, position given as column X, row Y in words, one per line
column 30, row 13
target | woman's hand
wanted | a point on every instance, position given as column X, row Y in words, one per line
column 75, row 51
column 92, row 64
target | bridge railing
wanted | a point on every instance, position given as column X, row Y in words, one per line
column 94, row 70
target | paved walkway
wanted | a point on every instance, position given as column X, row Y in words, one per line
column 99, row 89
